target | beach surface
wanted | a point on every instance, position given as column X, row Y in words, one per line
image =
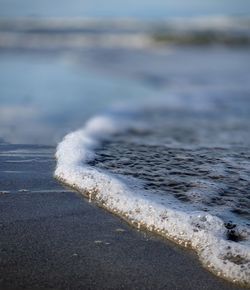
column 53, row 238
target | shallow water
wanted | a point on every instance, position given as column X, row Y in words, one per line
column 40, row 93
column 45, row 95
column 200, row 158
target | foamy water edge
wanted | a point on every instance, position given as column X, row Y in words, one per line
column 199, row 230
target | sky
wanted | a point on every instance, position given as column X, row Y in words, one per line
column 120, row 8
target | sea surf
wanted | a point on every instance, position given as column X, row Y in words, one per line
column 178, row 168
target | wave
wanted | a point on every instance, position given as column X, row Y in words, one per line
column 64, row 34
column 125, row 196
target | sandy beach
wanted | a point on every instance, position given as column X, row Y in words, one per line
column 53, row 238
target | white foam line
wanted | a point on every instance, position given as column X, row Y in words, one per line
column 203, row 232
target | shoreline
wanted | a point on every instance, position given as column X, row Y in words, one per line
column 137, row 207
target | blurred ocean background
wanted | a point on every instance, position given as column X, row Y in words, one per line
column 61, row 62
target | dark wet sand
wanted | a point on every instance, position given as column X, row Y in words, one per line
column 52, row 238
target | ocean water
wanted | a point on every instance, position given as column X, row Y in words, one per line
column 202, row 159
column 33, row 84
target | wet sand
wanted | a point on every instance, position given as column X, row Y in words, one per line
column 53, row 238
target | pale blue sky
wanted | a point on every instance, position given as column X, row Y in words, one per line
column 121, row 8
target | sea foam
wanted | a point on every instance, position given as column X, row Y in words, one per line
column 201, row 231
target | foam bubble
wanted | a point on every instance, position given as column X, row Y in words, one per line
column 203, row 232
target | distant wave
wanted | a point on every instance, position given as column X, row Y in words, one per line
column 75, row 34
